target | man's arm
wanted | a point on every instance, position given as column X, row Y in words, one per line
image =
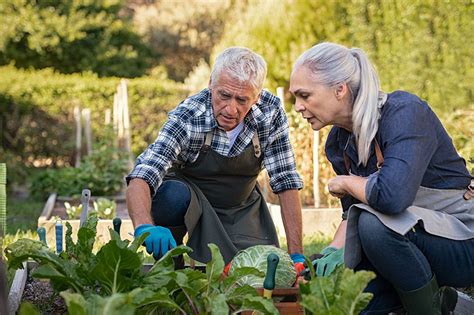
column 139, row 202
column 292, row 220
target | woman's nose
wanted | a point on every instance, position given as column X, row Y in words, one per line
column 299, row 106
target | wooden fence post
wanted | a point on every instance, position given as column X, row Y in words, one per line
column 316, row 197
column 77, row 118
column 126, row 124
column 3, row 199
column 86, row 113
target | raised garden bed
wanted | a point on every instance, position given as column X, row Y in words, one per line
column 39, row 293
column 54, row 208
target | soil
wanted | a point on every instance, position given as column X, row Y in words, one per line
column 41, row 294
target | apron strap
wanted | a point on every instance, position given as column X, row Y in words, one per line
column 256, row 145
column 207, row 142
column 378, row 154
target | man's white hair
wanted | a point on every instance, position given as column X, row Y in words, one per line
column 241, row 64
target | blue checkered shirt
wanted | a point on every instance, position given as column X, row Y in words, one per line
column 182, row 136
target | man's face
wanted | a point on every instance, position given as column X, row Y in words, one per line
column 231, row 101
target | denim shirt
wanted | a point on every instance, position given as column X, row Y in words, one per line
column 417, row 152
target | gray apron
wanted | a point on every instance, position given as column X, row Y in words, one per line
column 448, row 213
column 227, row 207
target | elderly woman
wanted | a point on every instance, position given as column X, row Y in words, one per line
column 406, row 194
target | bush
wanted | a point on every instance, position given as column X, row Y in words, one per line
column 102, row 172
column 36, row 111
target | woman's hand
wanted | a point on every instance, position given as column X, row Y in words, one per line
column 353, row 185
column 336, row 186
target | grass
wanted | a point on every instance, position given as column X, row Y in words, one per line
column 22, row 215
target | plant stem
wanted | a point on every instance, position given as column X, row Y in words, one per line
column 114, row 289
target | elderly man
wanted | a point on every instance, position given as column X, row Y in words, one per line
column 200, row 175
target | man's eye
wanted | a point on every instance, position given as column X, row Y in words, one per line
column 304, row 96
column 242, row 101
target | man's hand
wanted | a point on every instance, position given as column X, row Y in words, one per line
column 158, row 242
column 332, row 257
column 298, row 263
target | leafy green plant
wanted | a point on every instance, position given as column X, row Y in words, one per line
column 102, row 172
column 104, row 209
column 113, row 282
column 73, row 212
column 341, row 293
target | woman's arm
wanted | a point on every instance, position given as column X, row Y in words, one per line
column 342, row 185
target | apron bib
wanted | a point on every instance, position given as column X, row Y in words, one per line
column 227, row 207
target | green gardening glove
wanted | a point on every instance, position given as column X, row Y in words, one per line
column 332, row 257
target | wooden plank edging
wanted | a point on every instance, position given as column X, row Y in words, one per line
column 17, row 288
column 48, row 208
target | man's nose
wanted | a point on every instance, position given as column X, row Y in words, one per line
column 232, row 107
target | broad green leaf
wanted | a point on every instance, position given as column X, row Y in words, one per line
column 215, row 266
column 149, row 301
column 237, row 295
column 166, row 262
column 117, row 269
column 76, row 303
column 114, row 236
column 259, row 304
column 59, row 279
column 218, row 304
column 339, row 293
column 26, row 308
column 22, row 249
column 231, row 281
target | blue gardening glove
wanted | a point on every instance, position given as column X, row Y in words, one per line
column 158, row 242
column 332, row 257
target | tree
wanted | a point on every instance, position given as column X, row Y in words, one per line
column 71, row 36
column 182, row 32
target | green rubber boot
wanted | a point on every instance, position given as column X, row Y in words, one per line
column 429, row 299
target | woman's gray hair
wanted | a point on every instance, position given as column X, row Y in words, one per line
column 241, row 64
column 334, row 64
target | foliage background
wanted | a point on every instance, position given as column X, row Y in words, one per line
column 420, row 46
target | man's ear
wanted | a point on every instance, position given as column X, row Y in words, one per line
column 341, row 91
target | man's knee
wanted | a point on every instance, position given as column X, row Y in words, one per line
column 170, row 203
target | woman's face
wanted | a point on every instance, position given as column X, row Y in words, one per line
column 318, row 104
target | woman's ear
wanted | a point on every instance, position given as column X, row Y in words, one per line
column 341, row 91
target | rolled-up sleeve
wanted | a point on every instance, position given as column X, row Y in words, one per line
column 409, row 143
column 153, row 163
column 279, row 157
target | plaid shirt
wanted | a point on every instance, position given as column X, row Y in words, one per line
column 182, row 136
